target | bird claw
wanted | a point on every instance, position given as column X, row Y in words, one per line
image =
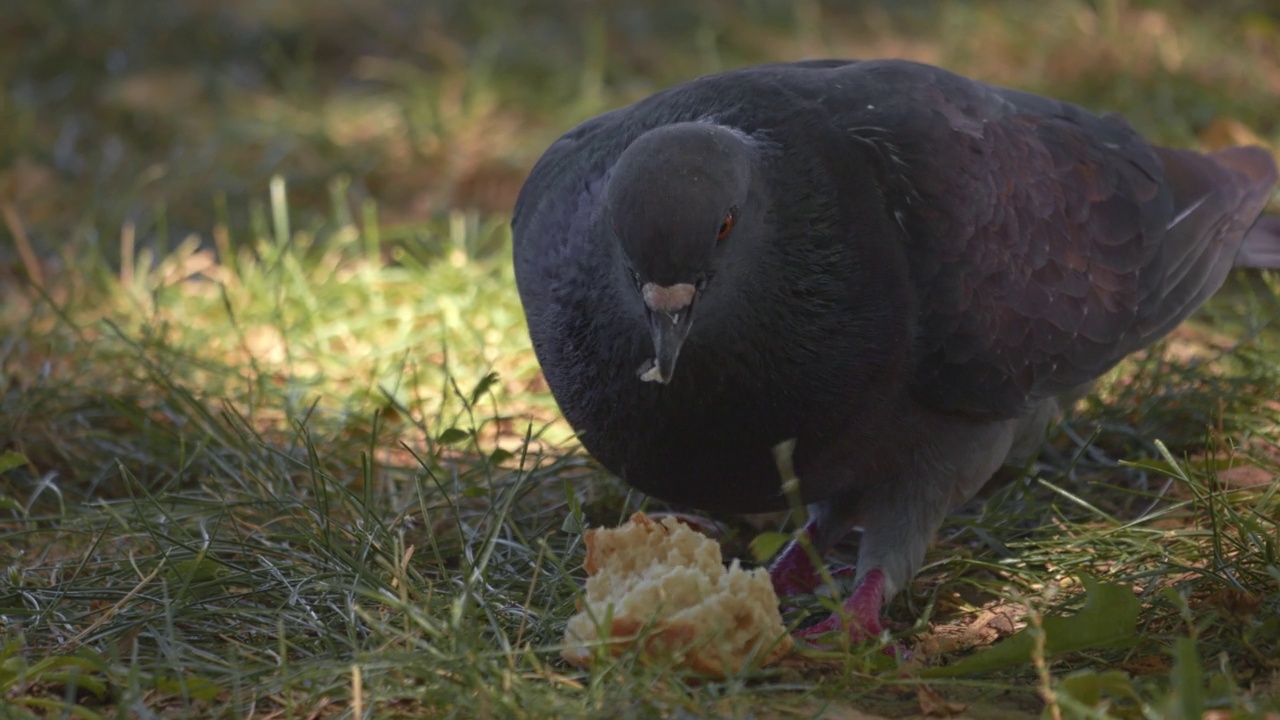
column 844, row 571
column 793, row 576
column 793, row 573
column 859, row 629
column 860, row 615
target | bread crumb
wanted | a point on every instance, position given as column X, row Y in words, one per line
column 664, row 586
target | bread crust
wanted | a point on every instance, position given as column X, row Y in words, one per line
column 662, row 587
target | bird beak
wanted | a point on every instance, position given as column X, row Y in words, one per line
column 670, row 311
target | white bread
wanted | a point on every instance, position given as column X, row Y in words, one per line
column 663, row 586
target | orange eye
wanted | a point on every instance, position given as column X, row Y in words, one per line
column 726, row 227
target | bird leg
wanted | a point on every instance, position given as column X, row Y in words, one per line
column 899, row 516
column 793, row 573
column 860, row 615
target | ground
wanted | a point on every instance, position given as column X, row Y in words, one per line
column 273, row 442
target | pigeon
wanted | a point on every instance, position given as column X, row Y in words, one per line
column 894, row 271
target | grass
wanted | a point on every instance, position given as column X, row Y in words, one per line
column 274, row 443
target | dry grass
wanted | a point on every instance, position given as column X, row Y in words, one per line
column 280, row 448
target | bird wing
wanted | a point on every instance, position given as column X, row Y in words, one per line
column 1045, row 242
column 551, row 200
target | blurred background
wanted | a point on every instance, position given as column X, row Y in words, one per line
column 172, row 117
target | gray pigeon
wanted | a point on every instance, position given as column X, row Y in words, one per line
column 897, row 268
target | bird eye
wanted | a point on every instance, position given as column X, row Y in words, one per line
column 726, row 227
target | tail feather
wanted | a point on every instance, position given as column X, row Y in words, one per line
column 1216, row 198
column 1255, row 163
column 1261, row 246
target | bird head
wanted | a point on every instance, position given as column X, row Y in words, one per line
column 677, row 200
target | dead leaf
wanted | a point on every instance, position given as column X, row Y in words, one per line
column 25, row 180
column 156, row 91
column 932, row 704
column 1235, row 603
column 995, row 621
column 1108, row 618
column 1246, row 476
column 1147, row 665
column 1223, row 132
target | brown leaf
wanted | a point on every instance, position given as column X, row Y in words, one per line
column 1235, row 603
column 995, row 621
column 1246, row 476
column 1147, row 665
column 1224, row 132
column 932, row 704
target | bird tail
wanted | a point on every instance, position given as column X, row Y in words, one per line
column 1261, row 247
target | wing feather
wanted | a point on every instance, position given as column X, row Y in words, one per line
column 1048, row 242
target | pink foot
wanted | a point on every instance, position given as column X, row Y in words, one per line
column 862, row 611
column 793, row 572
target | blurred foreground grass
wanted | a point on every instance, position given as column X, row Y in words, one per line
column 277, row 446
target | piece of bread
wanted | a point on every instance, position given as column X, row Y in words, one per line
column 663, row 586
